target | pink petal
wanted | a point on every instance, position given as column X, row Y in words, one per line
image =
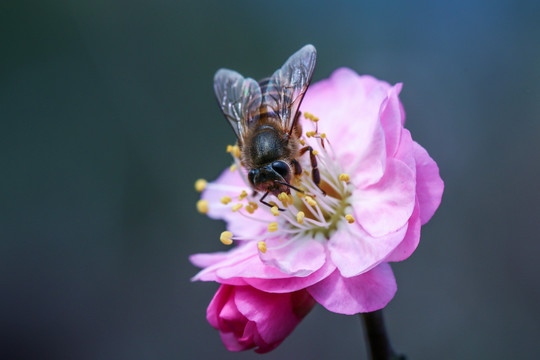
column 429, row 185
column 296, row 257
column 274, row 314
column 291, row 284
column 363, row 293
column 354, row 251
column 410, row 241
column 386, row 206
column 391, row 119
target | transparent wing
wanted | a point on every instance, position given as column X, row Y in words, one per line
column 287, row 86
column 238, row 98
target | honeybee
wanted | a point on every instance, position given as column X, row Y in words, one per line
column 265, row 118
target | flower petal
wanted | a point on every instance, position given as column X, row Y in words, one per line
column 354, row 251
column 291, row 284
column 391, row 114
column 363, row 293
column 410, row 241
column 429, row 185
column 386, row 206
column 276, row 315
column 296, row 257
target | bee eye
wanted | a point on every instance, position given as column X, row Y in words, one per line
column 251, row 176
column 282, row 169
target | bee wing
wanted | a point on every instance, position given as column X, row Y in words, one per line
column 238, row 98
column 287, row 86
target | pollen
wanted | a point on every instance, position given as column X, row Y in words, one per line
column 349, row 218
column 302, row 141
column 200, row 185
column 236, row 207
column 323, row 136
column 344, row 177
column 274, row 210
column 253, row 205
column 250, row 209
column 273, row 226
column 311, row 201
column 202, row 206
column 315, row 152
column 261, row 245
column 226, row 237
column 300, row 217
column 233, row 168
column 234, row 150
column 310, row 133
column 242, row 195
column 225, row 200
column 285, row 199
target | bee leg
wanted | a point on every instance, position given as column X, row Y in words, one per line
column 315, row 174
column 266, row 203
column 297, row 167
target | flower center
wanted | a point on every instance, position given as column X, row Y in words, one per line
column 316, row 211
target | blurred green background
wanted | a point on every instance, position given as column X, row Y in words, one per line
column 108, row 116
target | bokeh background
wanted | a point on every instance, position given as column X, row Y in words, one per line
column 108, row 116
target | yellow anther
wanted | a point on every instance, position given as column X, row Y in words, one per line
column 300, row 217
column 234, row 150
column 254, row 205
column 302, row 141
column 233, row 167
column 314, row 118
column 349, row 218
column 284, row 198
column 243, row 195
column 311, row 201
column 249, row 209
column 226, row 237
column 261, row 245
column 274, row 210
column 323, row 136
column 225, row 200
column 315, row 152
column 236, row 207
column 202, row 206
column 344, row 177
column 272, row 203
column 273, row 226
column 291, row 199
column 200, row 184
column 310, row 133
column 307, row 115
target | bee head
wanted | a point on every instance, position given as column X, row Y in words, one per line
column 271, row 177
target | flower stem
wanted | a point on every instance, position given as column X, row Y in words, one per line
column 376, row 337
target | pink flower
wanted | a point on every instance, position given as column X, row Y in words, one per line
column 249, row 318
column 380, row 185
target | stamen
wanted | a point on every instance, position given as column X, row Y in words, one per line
column 323, row 136
column 315, row 152
column 261, row 245
column 344, row 177
column 225, row 200
column 254, row 205
column 302, row 141
column 236, row 207
column 310, row 133
column 349, row 218
column 311, row 201
column 249, row 209
column 202, row 206
column 274, row 210
column 200, row 184
column 273, row 226
column 300, row 217
column 243, row 195
column 226, row 237
column 234, row 150
column 233, row 168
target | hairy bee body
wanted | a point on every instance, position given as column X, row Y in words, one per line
column 265, row 118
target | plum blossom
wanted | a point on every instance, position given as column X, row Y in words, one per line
column 331, row 243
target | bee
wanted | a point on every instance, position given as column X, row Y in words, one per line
column 265, row 118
